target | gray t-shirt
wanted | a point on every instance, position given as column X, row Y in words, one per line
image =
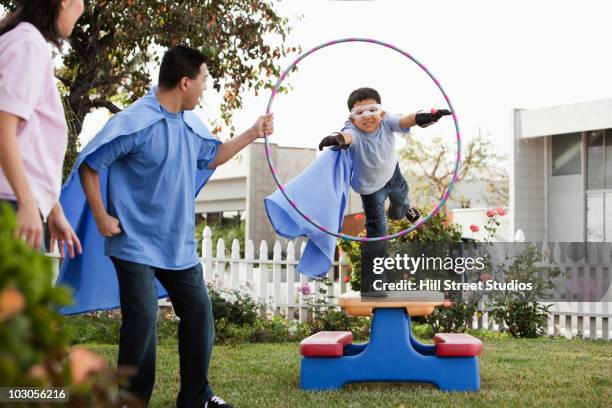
column 373, row 154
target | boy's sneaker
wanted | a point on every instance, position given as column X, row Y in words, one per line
column 217, row 402
column 412, row 214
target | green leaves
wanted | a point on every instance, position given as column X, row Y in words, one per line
column 30, row 332
column 115, row 48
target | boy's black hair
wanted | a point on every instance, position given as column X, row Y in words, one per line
column 42, row 14
column 179, row 62
column 362, row 94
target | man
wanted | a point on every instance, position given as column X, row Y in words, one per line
column 154, row 169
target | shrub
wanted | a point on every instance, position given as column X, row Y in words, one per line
column 34, row 350
column 437, row 229
column 519, row 312
column 227, row 232
column 522, row 318
column 233, row 306
column 455, row 319
column 325, row 316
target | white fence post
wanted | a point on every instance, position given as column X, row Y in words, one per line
column 235, row 265
column 290, row 280
column 249, row 256
column 207, row 253
column 220, row 267
column 303, row 298
column 343, row 272
column 276, row 276
column 263, row 272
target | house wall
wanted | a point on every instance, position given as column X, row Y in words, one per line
column 260, row 184
column 545, row 206
column 527, row 190
column 563, row 119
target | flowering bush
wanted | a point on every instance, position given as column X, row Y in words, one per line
column 520, row 313
column 437, row 229
column 325, row 315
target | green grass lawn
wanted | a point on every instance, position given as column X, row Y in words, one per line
column 514, row 373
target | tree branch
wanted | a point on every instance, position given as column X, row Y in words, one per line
column 98, row 103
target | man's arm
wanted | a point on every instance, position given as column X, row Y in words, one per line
column 90, row 180
column 264, row 125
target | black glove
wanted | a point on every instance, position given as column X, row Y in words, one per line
column 424, row 119
column 335, row 139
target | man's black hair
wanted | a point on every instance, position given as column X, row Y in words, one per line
column 179, row 62
column 362, row 94
column 42, row 14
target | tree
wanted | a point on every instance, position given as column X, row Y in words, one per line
column 430, row 167
column 115, row 43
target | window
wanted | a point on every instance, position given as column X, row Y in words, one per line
column 566, row 154
column 595, row 160
column 599, row 186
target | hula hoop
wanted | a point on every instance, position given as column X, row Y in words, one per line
column 279, row 183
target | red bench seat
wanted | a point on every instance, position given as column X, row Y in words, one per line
column 325, row 344
column 457, row 345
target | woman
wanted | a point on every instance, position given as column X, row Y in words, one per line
column 33, row 130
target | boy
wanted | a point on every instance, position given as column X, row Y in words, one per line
column 376, row 175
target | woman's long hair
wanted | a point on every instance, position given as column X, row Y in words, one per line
column 42, row 14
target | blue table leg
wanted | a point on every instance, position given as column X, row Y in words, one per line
column 392, row 354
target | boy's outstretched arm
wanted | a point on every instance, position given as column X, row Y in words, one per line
column 408, row 121
column 423, row 119
column 336, row 139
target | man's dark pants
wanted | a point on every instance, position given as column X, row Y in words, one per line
column 138, row 333
column 396, row 190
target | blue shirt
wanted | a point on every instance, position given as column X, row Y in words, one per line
column 373, row 154
column 151, row 190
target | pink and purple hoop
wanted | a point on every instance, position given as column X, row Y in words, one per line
column 279, row 183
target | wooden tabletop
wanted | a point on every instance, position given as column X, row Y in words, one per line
column 354, row 305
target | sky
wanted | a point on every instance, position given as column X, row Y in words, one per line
column 490, row 57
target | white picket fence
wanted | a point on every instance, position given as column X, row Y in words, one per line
column 274, row 281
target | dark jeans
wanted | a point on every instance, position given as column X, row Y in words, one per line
column 396, row 190
column 138, row 333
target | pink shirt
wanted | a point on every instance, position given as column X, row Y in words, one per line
column 28, row 90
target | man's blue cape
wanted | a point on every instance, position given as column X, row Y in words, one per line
column 92, row 275
column 321, row 192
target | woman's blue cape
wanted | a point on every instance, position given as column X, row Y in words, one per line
column 92, row 275
column 321, row 192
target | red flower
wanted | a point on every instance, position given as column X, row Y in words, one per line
column 347, row 278
column 491, row 213
column 474, row 228
column 359, row 216
column 485, row 277
column 501, row 211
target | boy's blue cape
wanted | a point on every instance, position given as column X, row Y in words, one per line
column 321, row 192
column 92, row 275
